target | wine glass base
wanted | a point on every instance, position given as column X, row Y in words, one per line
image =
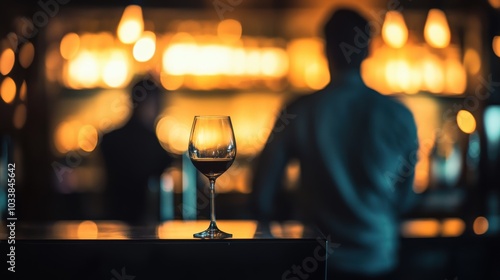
column 212, row 232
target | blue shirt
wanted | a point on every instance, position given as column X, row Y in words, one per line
column 357, row 151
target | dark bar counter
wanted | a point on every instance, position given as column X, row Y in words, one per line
column 114, row 250
column 289, row 250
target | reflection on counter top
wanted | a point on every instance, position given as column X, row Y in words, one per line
column 241, row 229
column 175, row 229
column 100, row 249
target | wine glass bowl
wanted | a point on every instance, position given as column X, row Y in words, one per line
column 212, row 149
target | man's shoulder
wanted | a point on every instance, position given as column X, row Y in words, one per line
column 391, row 106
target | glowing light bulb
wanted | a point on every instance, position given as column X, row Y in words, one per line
column 145, row 47
column 436, row 30
column 131, row 24
column 394, row 30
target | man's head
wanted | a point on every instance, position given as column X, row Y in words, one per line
column 347, row 35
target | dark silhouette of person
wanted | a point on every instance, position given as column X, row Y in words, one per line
column 357, row 152
column 134, row 159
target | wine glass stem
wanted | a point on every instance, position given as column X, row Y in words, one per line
column 212, row 201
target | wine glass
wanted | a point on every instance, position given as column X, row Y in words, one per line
column 212, row 150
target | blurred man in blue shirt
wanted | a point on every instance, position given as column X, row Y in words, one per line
column 357, row 152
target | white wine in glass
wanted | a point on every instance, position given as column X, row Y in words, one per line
column 212, row 149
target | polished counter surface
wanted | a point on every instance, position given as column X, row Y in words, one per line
column 74, row 249
column 169, row 230
column 110, row 249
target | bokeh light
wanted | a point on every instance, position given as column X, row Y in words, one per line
column 472, row 61
column 466, row 121
column 229, row 30
column 66, row 136
column 116, row 70
column 23, row 91
column 88, row 138
column 452, row 227
column 84, row 70
column 495, row 3
column 8, row 90
column 131, row 24
column 145, row 47
column 480, row 225
column 70, row 45
column 421, row 228
column 26, row 54
column 7, row 60
column 394, row 30
column 436, row 29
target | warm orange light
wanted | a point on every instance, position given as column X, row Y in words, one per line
column 131, row 24
column 65, row 137
column 171, row 82
column 455, row 77
column 472, row 61
column 185, row 229
column 7, row 59
column 290, row 229
column 308, row 67
column 436, row 29
column 87, row 138
column 496, row 45
column 426, row 112
column 466, row 121
column 84, row 70
column 87, row 230
column 173, row 134
column 178, row 58
column 316, row 75
column 394, row 30
column 495, row 3
column 237, row 57
column 480, row 225
column 274, row 62
column 26, row 54
column 252, row 62
column 19, row 116
column 399, row 76
column 8, row 90
column 421, row 228
column 116, row 70
column 229, row 30
column 145, row 47
column 23, row 91
column 205, row 61
column 70, row 45
column 433, row 76
column 452, row 227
